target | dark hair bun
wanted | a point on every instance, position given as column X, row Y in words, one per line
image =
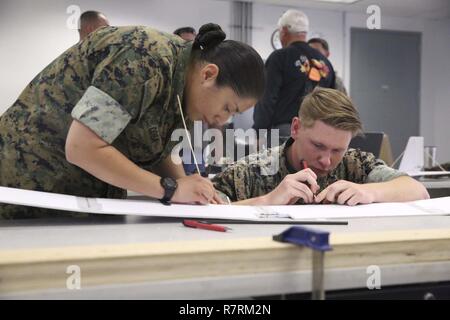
column 209, row 36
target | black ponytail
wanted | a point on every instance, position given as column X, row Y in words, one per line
column 240, row 66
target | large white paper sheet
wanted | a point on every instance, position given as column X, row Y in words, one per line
column 438, row 206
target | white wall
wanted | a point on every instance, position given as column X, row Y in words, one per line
column 33, row 33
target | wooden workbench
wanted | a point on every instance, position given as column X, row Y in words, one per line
column 158, row 258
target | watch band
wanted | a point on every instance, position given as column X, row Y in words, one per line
column 170, row 186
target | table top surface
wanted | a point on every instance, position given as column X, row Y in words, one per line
column 437, row 183
column 102, row 230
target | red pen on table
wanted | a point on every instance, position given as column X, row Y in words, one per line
column 204, row 225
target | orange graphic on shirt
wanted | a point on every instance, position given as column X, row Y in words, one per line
column 318, row 70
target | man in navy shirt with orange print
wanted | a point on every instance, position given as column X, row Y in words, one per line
column 292, row 73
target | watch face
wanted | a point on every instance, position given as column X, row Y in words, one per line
column 275, row 39
column 170, row 183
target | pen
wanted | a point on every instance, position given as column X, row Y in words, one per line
column 204, row 225
column 305, row 164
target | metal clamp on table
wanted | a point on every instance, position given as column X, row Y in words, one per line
column 318, row 241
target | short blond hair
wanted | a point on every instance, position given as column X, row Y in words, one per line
column 332, row 107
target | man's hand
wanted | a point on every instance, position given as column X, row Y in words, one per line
column 300, row 185
column 346, row 192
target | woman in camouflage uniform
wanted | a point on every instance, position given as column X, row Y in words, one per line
column 98, row 120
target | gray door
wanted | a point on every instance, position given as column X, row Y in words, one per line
column 385, row 82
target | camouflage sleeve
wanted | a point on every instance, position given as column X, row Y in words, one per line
column 124, row 85
column 101, row 113
column 234, row 182
column 368, row 169
column 224, row 183
column 382, row 173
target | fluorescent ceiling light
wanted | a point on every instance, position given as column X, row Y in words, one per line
column 339, row 1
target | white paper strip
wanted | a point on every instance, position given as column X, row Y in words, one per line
column 438, row 206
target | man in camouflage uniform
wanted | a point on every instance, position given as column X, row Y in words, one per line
column 91, row 21
column 129, row 77
column 319, row 138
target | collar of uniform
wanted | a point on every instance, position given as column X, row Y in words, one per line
column 285, row 166
column 180, row 73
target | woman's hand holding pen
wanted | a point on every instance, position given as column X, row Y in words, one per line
column 196, row 189
column 300, row 185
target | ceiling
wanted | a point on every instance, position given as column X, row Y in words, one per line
column 428, row 9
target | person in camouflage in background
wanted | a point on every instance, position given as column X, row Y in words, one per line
column 320, row 137
column 98, row 120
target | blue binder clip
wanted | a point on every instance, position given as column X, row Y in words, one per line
column 314, row 239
